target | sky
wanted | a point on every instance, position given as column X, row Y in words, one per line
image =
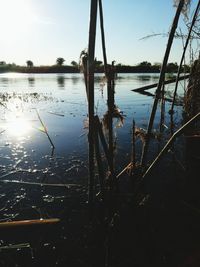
column 43, row 30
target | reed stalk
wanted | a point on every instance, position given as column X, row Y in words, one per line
column 111, row 106
column 123, row 171
column 90, row 88
column 99, row 163
column 162, row 109
column 133, row 158
column 183, row 54
column 38, row 183
column 167, row 99
column 45, row 129
column 103, row 37
column 110, row 90
column 28, row 223
column 110, row 121
column 103, row 142
column 84, row 68
column 170, row 142
column 161, row 81
column 151, row 86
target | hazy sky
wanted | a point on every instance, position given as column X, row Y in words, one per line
column 42, row 30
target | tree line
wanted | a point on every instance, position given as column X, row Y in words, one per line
column 60, row 67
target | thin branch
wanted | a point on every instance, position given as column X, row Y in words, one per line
column 170, row 142
column 45, row 129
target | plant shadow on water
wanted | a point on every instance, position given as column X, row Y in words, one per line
column 37, row 181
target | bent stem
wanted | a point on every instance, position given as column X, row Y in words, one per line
column 45, row 129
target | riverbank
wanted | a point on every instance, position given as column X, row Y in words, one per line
column 75, row 69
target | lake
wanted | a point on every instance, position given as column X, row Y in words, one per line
column 57, row 103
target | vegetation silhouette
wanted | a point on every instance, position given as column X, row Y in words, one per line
column 60, row 61
column 29, row 63
column 61, row 81
column 142, row 67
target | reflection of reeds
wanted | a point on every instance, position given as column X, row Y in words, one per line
column 44, row 130
column 99, row 162
column 141, row 133
column 68, row 185
column 90, row 95
column 165, row 149
column 117, row 114
column 83, row 66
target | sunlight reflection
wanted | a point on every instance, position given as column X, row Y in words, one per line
column 18, row 127
column 11, row 75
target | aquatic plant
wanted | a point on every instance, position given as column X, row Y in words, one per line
column 44, row 129
column 161, row 80
column 117, row 114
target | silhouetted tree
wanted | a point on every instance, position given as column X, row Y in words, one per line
column 60, row 61
column 29, row 63
column 172, row 67
column 186, row 68
column 144, row 63
column 74, row 63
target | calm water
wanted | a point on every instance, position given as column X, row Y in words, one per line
column 60, row 100
column 31, row 103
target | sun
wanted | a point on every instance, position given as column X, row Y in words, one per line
column 16, row 17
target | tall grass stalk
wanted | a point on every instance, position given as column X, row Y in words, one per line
column 90, row 88
column 45, row 129
column 161, row 81
column 183, row 54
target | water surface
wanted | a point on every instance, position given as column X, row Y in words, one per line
column 33, row 103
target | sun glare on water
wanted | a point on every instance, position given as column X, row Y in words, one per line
column 18, row 127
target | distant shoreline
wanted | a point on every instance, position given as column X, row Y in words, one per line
column 75, row 69
column 68, row 72
column 41, row 70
